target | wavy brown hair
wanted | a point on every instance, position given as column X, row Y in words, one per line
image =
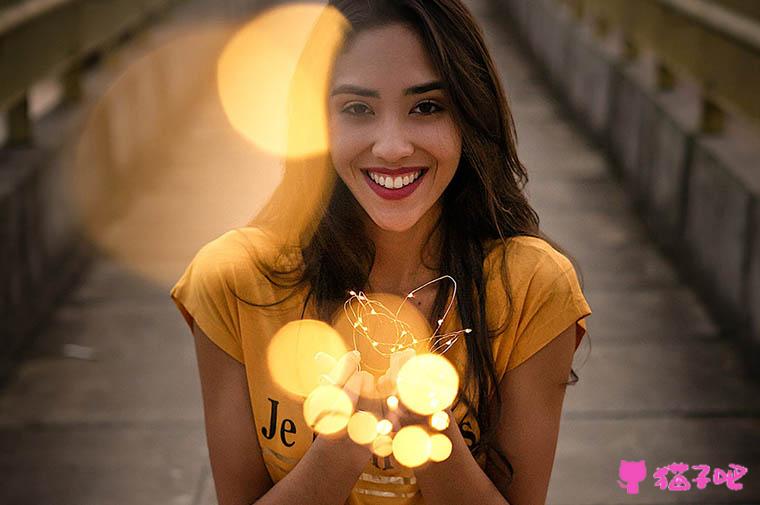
column 484, row 203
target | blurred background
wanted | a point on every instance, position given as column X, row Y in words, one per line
column 636, row 119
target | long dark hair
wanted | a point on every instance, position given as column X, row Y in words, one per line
column 318, row 219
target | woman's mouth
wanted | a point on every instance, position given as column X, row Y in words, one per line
column 394, row 186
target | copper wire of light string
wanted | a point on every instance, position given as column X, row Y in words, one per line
column 367, row 306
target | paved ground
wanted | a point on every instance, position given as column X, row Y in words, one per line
column 124, row 424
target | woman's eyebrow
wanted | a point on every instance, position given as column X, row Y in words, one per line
column 417, row 89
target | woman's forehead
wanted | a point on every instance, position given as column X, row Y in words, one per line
column 390, row 58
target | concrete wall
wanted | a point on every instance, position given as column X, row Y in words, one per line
column 76, row 175
column 699, row 194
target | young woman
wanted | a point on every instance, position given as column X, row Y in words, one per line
column 421, row 180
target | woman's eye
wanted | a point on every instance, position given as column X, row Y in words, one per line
column 426, row 108
column 352, row 109
column 360, row 109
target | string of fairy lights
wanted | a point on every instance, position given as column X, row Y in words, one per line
column 426, row 383
column 359, row 307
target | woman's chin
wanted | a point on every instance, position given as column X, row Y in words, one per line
column 398, row 225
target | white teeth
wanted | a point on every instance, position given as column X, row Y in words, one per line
column 394, row 182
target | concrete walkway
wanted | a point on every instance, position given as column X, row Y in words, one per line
column 117, row 417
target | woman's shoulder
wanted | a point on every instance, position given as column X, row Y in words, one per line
column 239, row 246
column 242, row 256
column 240, row 261
column 236, row 242
column 526, row 256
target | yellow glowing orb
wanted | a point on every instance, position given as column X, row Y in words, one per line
column 439, row 421
column 292, row 351
column 384, row 427
column 273, row 77
column 362, row 427
column 126, row 134
column 441, row 447
column 427, row 383
column 327, row 410
column 412, row 446
column 383, row 446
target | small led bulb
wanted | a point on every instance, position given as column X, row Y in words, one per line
column 384, row 427
column 392, row 402
column 439, row 421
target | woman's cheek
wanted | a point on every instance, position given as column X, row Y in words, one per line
column 340, row 152
column 346, row 143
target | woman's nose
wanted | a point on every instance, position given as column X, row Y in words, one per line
column 392, row 143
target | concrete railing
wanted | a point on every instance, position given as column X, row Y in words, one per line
column 78, row 158
column 74, row 167
column 697, row 188
column 40, row 38
column 698, row 39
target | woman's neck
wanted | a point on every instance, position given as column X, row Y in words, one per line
column 398, row 266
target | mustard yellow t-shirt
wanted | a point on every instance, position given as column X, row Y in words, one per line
column 546, row 295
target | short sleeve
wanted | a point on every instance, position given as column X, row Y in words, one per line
column 553, row 301
column 205, row 293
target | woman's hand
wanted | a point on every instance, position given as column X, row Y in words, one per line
column 371, row 396
column 402, row 416
column 343, row 373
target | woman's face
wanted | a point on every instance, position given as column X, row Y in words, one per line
column 393, row 140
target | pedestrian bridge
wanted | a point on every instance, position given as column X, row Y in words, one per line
column 638, row 128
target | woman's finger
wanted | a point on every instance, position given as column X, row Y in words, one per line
column 344, row 368
column 353, row 388
column 324, row 362
column 367, row 392
column 385, row 385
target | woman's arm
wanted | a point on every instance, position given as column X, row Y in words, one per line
column 527, row 434
column 325, row 475
column 237, row 465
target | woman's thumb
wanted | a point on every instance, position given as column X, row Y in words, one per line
column 353, row 387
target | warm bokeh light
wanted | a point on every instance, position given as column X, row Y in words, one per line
column 293, row 356
column 362, row 427
column 441, row 447
column 412, row 446
column 269, row 96
column 384, row 427
column 383, row 446
column 155, row 170
column 327, row 410
column 427, row 384
column 439, row 421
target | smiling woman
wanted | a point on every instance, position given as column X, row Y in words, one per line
column 421, row 180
